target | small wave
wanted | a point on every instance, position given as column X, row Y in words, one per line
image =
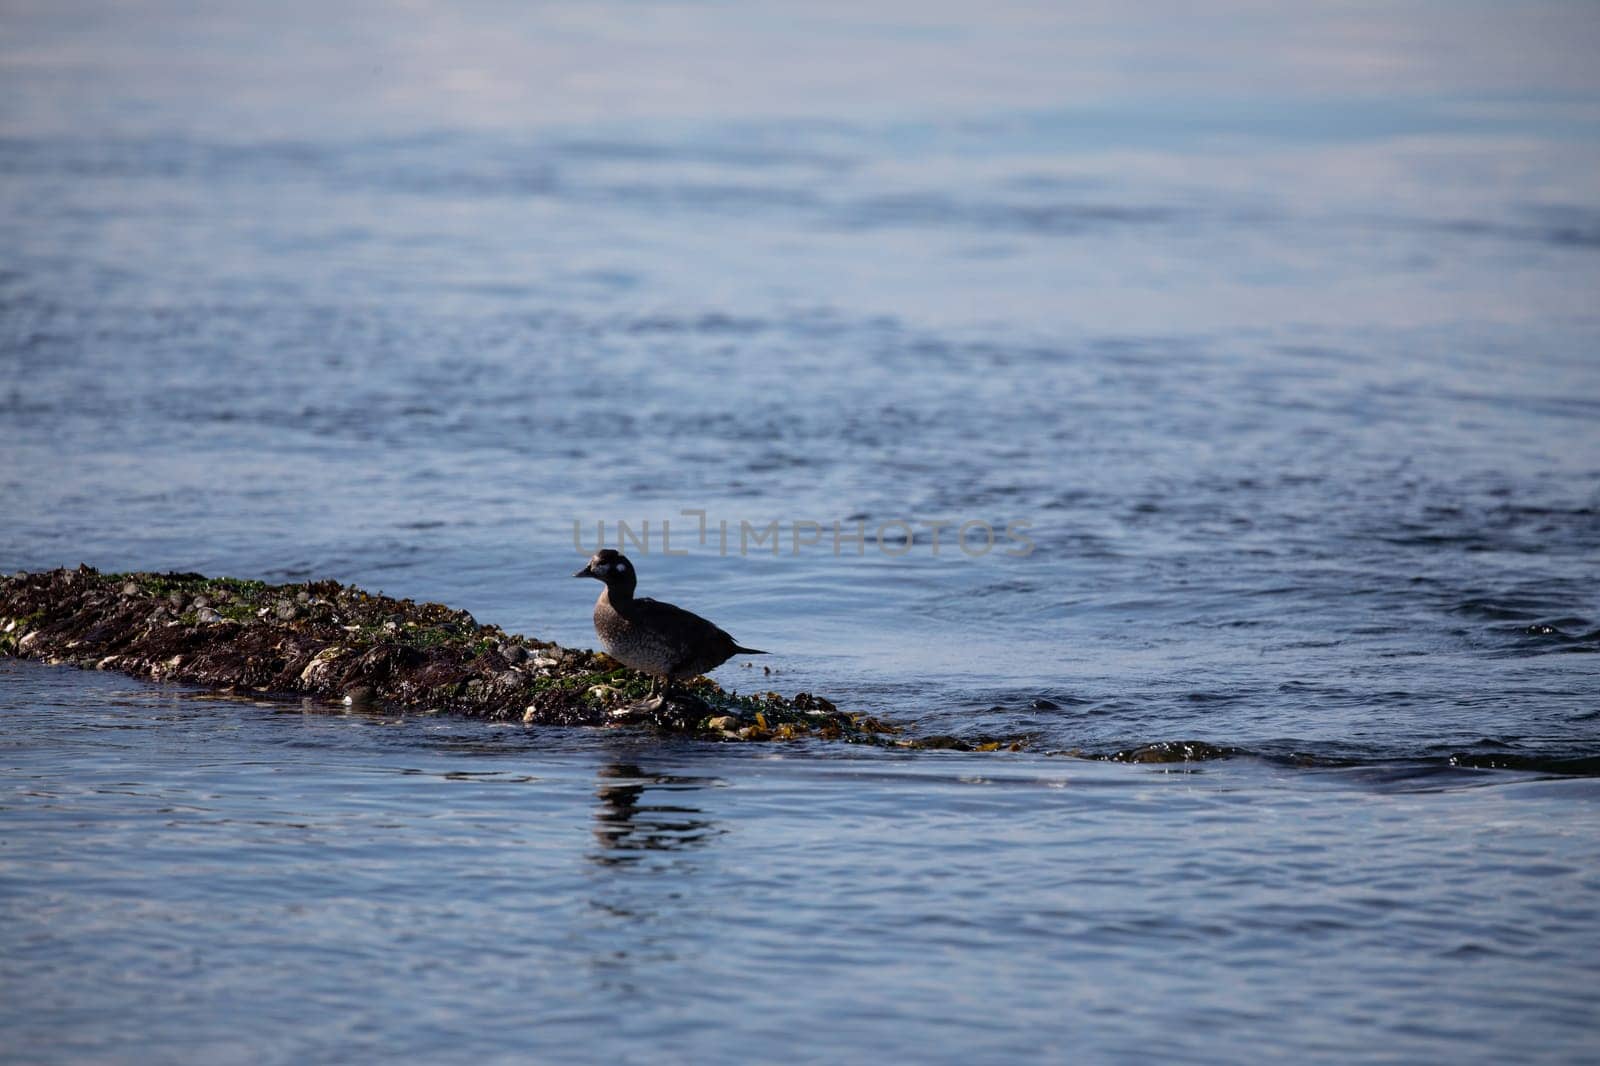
column 1505, row 609
column 1390, row 768
column 1563, row 226
column 916, row 210
column 1566, row 765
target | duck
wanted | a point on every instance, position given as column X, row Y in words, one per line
column 659, row 639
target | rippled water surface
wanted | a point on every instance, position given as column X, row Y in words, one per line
column 188, row 879
column 1280, row 353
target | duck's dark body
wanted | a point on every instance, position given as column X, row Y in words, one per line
column 652, row 637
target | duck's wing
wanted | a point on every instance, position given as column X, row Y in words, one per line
column 705, row 646
column 669, row 618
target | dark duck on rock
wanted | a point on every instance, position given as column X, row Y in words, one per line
column 654, row 638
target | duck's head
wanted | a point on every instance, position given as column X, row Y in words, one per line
column 610, row 566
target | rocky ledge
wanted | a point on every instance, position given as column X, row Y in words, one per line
column 340, row 644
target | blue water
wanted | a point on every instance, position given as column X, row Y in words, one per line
column 1279, row 351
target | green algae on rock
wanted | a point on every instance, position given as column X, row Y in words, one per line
column 329, row 641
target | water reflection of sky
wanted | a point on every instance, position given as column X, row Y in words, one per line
column 375, row 67
column 1176, row 286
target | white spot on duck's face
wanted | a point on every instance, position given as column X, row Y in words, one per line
column 622, row 568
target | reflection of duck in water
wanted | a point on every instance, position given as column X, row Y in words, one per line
column 627, row 827
column 655, row 638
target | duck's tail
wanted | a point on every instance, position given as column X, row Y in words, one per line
column 747, row 651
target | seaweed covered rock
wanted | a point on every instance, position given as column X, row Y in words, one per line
column 334, row 642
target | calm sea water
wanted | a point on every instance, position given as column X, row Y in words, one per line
column 1274, row 335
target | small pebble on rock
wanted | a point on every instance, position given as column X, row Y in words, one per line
column 206, row 614
column 304, row 597
column 176, row 599
column 513, row 653
column 286, row 611
column 130, row 589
